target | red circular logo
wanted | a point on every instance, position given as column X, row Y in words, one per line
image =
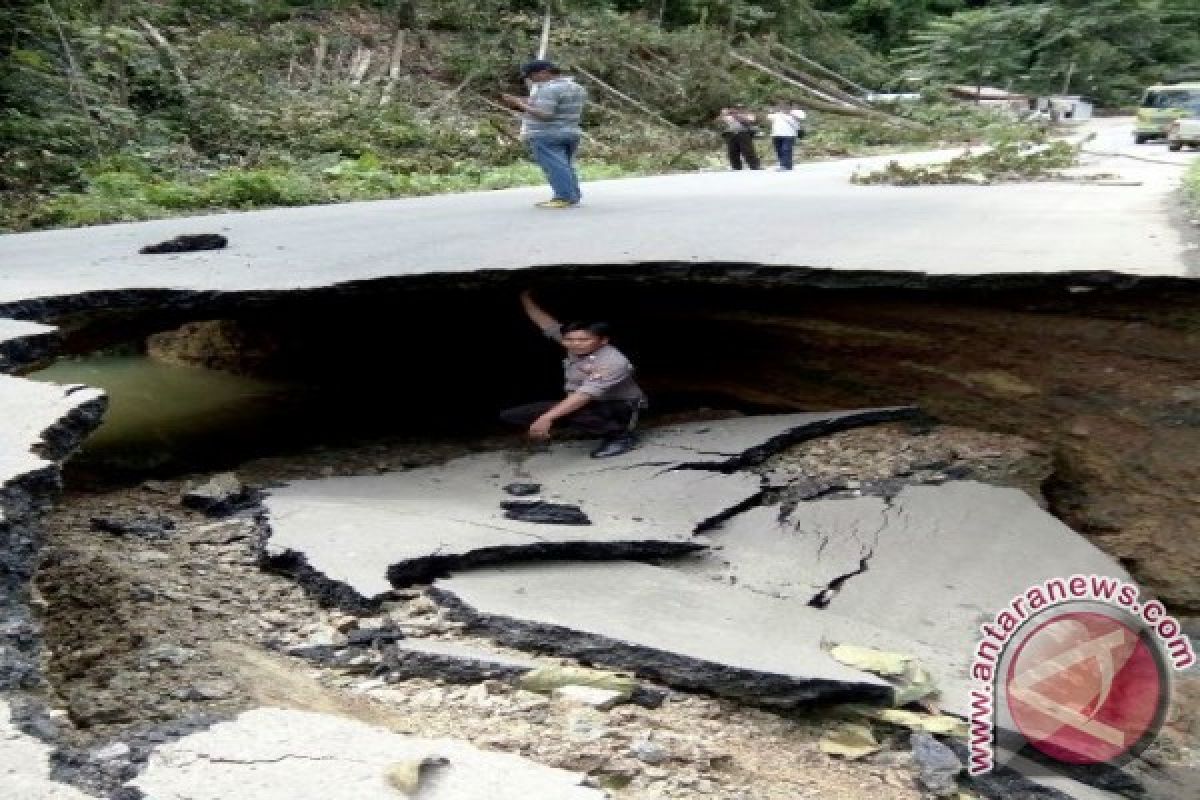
column 1085, row 688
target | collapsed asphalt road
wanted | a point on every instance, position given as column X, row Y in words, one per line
column 702, row 627
column 189, row 606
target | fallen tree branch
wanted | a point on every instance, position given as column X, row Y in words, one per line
column 168, row 53
column 450, row 95
column 75, row 78
column 663, row 64
column 811, row 80
column 517, row 115
column 635, row 103
column 832, row 104
column 828, row 98
column 673, row 85
column 821, row 68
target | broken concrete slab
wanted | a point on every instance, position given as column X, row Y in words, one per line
column 678, row 629
column 25, row 765
column 978, row 546
column 377, row 532
column 939, row 562
column 366, row 535
column 273, row 754
column 24, row 342
column 791, row 555
column 42, row 423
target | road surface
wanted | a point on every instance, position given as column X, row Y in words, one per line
column 812, row 217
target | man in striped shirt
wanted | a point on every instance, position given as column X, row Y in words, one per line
column 550, row 127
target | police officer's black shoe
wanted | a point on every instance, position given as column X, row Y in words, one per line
column 615, row 446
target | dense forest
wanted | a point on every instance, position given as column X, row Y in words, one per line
column 126, row 109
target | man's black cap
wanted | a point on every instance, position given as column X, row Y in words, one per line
column 537, row 65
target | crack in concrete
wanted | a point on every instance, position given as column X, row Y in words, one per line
column 823, row 598
column 279, row 760
column 623, row 467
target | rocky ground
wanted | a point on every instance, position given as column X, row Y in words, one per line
column 178, row 621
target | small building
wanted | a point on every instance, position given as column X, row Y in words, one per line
column 992, row 97
column 1065, row 107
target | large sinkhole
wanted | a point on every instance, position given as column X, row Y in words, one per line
column 1104, row 374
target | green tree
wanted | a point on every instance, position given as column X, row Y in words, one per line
column 1107, row 49
column 978, row 47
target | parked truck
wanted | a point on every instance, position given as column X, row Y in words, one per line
column 1162, row 106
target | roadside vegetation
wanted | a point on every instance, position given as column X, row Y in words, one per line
column 114, row 110
column 1191, row 188
column 1008, row 159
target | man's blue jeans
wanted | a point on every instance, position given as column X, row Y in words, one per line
column 555, row 154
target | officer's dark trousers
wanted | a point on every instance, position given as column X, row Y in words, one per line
column 784, row 147
column 739, row 146
column 598, row 418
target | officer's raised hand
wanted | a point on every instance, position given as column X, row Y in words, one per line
column 540, row 429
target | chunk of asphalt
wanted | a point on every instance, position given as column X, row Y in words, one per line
column 680, row 630
column 938, row 765
column 187, row 243
column 939, row 561
column 378, row 532
column 545, row 513
column 522, row 489
column 355, row 538
column 451, row 662
column 952, row 557
column 273, row 754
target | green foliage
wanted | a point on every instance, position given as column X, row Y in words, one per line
column 887, row 24
column 125, row 195
column 1007, row 159
column 1107, row 49
column 1191, row 187
column 127, row 109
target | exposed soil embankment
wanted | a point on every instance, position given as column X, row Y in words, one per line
column 1102, row 370
column 1110, row 386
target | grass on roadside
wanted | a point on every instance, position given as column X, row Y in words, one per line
column 1191, row 188
column 398, row 157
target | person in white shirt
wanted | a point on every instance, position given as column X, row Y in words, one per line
column 786, row 127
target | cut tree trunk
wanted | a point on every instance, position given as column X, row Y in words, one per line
column 319, row 61
column 168, row 53
column 393, row 74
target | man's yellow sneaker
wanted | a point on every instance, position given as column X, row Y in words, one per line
column 556, row 203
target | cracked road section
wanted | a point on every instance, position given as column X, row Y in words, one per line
column 915, row 570
column 370, row 534
column 941, row 560
column 272, row 754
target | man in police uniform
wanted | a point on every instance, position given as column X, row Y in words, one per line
column 601, row 395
